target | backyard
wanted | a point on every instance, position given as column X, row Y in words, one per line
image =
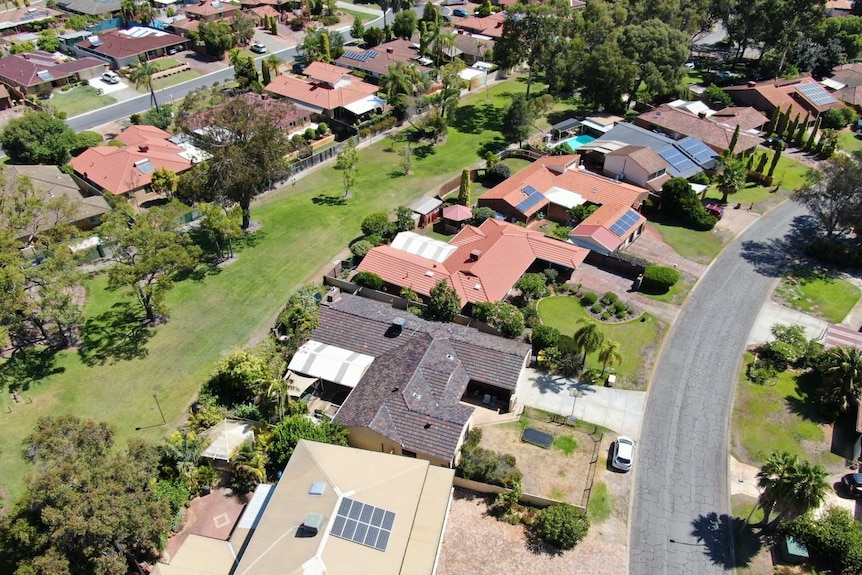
column 79, row 99
column 304, row 226
column 639, row 338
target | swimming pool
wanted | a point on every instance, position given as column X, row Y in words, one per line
column 577, row 141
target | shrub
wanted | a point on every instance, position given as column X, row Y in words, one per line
column 551, row 274
column 361, row 248
column 621, row 306
column 788, row 347
column 482, row 214
column 322, row 129
column 473, row 437
column 833, row 539
column 659, row 279
column 368, row 279
column 610, row 298
column 566, row 344
column 832, row 119
column 376, row 224
column 330, row 20
column 589, row 298
column 497, row 173
column 681, row 202
column 505, row 318
column 562, row 526
column 488, row 466
column 544, row 336
column 620, row 313
column 532, row 286
column 310, row 133
column 760, row 372
column 597, row 308
column 606, row 316
column 248, row 411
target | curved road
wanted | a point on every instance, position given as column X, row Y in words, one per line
column 681, row 514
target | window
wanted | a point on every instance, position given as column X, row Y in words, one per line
column 407, row 453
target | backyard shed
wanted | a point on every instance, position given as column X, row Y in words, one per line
column 427, row 208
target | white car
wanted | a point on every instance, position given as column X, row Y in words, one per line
column 258, row 48
column 110, row 77
column 623, row 453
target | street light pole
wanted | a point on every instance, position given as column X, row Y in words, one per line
column 160, row 409
column 756, row 504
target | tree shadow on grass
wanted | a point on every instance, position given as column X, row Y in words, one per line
column 495, row 146
column 115, row 335
column 713, row 531
column 324, row 200
column 423, row 151
column 248, row 240
column 27, row 366
column 772, row 258
column 807, row 405
column 475, row 119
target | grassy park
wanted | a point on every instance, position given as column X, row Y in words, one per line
column 639, row 338
column 305, row 224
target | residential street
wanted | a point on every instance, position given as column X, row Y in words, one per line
column 680, row 520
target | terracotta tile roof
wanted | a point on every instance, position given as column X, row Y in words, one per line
column 598, row 227
column 781, row 93
column 118, row 170
column 488, row 26
column 186, row 24
column 851, row 96
column 319, row 96
column 505, row 251
column 327, row 73
column 399, row 50
column 644, row 157
column 121, row 44
column 716, row 136
column 265, row 10
column 22, row 69
column 206, row 8
column 746, row 117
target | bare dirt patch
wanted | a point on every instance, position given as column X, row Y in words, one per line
column 549, row 473
column 477, row 544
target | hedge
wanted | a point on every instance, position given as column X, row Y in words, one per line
column 659, row 279
column 369, row 280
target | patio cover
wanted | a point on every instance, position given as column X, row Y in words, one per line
column 226, row 437
column 425, row 205
column 833, row 84
column 564, row 198
column 422, row 246
column 366, row 104
column 298, row 384
column 457, row 213
column 330, row 363
column 566, row 125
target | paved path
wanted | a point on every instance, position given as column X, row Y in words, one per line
column 772, row 313
column 680, row 517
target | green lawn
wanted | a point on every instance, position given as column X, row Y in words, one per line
column 639, row 340
column 175, row 79
column 849, row 142
column 697, row 246
column 165, row 63
column 305, row 225
column 675, row 295
column 363, row 16
column 819, row 294
column 789, row 176
column 601, row 503
column 79, row 99
column 778, row 416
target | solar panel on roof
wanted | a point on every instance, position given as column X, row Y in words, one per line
column 815, row 94
column 696, row 150
column 530, row 201
column 372, row 53
column 625, row 223
column 679, row 161
column 364, row 524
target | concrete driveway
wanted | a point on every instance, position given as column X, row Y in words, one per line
column 616, row 409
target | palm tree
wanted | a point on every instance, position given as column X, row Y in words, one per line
column 128, row 10
column 731, row 179
column 233, row 56
column 279, row 391
column 146, row 13
column 773, row 480
column 842, row 370
column 273, row 62
column 588, row 338
column 610, row 354
column 807, row 490
column 444, row 41
column 184, row 450
column 249, row 466
column 143, row 76
column 401, row 83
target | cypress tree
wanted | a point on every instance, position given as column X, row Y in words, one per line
column 773, row 121
column 774, row 163
column 800, row 135
column 783, row 119
column 733, row 140
column 464, row 190
column 809, row 145
column 761, row 164
column 791, row 133
column 273, row 26
column 267, row 78
column 324, row 47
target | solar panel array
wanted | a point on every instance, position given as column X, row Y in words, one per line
column 815, row 94
column 361, row 56
column 533, row 198
column 625, row 223
column 679, row 162
column 364, row 524
column 697, row 150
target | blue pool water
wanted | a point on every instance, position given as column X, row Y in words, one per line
column 577, row 141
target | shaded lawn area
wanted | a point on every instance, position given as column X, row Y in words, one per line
column 80, row 99
column 677, row 293
column 818, row 293
column 304, row 226
column 175, row 79
column 639, row 340
column 698, row 246
column 779, row 416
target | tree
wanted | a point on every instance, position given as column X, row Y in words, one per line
column 833, row 539
column 376, row 224
column 731, row 178
column 588, row 338
column 348, row 162
column 832, row 194
column 464, row 189
column 217, row 37
column 658, row 51
column 22, row 47
column 789, row 485
column 150, row 253
column 733, row 141
column 373, row 36
column 404, row 221
column 48, row 41
column 279, row 392
column 529, row 34
column 161, row 116
column 405, row 24
column 680, row 201
column 485, row 8
column 87, row 508
column 562, row 526
column 482, row 214
column 164, row 181
column 532, row 286
column 445, row 100
column 610, row 354
column 517, row 120
column 128, row 10
column 606, row 76
column 357, row 29
column 243, row 28
column 222, row 225
column 841, row 372
column 718, row 98
column 142, row 75
column 289, row 431
column 246, row 145
column 248, row 466
column 544, row 336
column 504, row 317
column 444, row 303
column 38, row 138
column 314, row 47
column 239, row 378
column 402, row 85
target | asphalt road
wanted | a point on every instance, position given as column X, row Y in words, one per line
column 681, row 519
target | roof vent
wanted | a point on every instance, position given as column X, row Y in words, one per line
column 427, row 426
column 477, row 286
column 333, row 295
column 312, row 524
column 144, row 148
column 317, row 488
column 397, row 324
column 429, row 273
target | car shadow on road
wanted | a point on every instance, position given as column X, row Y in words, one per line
column 713, row 530
column 772, row 258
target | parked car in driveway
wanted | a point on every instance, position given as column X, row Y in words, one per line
column 623, row 453
column 715, row 210
column 258, row 48
column 110, row 77
column 853, row 483
column 459, row 12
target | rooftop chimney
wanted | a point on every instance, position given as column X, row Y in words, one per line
column 333, row 295
column 397, row 325
column 701, row 115
column 390, row 51
column 143, row 148
column 475, row 255
column 752, row 83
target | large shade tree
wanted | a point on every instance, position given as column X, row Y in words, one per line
column 246, row 143
column 38, row 138
column 833, row 194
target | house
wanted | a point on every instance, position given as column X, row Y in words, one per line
column 846, row 84
column 224, row 439
column 123, row 47
column 409, row 398
column 91, row 7
column 677, row 124
column 481, row 263
column 802, row 95
column 55, row 184
column 25, row 17
column 747, row 118
column 330, row 90
column 473, row 47
column 608, row 229
column 552, row 185
column 40, row 71
column 5, row 99
column 687, row 157
column 838, row 8
column 209, row 10
column 637, row 165
column 259, row 13
column 375, row 62
column 127, row 171
column 348, row 511
column 489, row 26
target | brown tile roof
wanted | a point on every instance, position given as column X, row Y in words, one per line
column 746, row 117
column 781, row 93
column 118, row 169
column 317, row 95
column 644, row 157
column 850, row 95
column 327, row 73
column 849, row 74
column 505, row 250
column 681, row 122
column 206, row 8
column 186, row 24
column 26, row 15
column 488, row 26
column 399, row 50
column 265, row 10
column 474, row 46
column 119, row 44
column 412, row 390
column 22, row 69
